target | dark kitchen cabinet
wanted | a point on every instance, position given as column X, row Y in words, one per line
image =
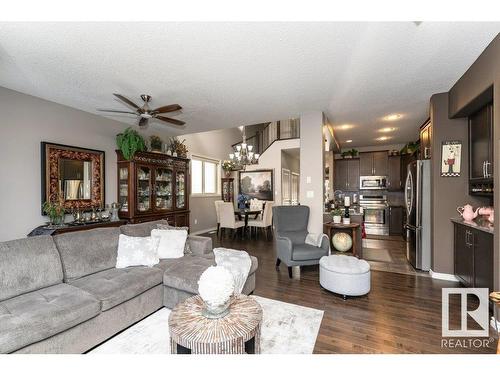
column 394, row 177
column 346, row 174
column 396, row 214
column 473, row 253
column 481, row 144
column 426, row 140
column 373, row 163
column 352, row 175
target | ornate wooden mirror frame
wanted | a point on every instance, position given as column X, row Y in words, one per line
column 53, row 186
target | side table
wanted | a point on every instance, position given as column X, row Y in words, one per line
column 236, row 333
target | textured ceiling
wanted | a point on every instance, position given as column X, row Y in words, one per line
column 229, row 74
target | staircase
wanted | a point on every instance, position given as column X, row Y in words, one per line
column 272, row 132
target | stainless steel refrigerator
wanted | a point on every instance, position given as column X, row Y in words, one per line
column 418, row 214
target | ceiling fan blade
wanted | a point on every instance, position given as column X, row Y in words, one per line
column 114, row 111
column 143, row 122
column 167, row 108
column 171, row 120
column 129, row 102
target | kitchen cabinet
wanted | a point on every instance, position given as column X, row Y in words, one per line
column 481, row 152
column 346, row 174
column 394, row 176
column 373, row 163
column 473, row 256
column 396, row 214
column 426, row 140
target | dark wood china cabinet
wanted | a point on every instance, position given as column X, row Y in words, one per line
column 153, row 186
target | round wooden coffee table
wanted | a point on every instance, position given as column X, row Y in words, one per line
column 236, row 333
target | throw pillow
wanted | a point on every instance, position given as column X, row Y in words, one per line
column 136, row 251
column 187, row 249
column 170, row 243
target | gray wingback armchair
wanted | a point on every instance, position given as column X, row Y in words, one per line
column 290, row 225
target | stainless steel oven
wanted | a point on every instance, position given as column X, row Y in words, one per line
column 375, row 213
column 373, row 183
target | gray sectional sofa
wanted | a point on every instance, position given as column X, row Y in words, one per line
column 63, row 294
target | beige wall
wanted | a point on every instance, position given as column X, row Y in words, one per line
column 216, row 145
column 272, row 159
column 311, row 166
column 26, row 121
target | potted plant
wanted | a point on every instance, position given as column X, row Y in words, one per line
column 228, row 166
column 129, row 142
column 337, row 215
column 54, row 209
column 354, row 152
column 349, row 154
column 178, row 148
column 156, row 143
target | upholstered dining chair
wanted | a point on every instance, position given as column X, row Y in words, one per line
column 265, row 223
column 290, row 226
column 256, row 204
column 217, row 212
column 227, row 219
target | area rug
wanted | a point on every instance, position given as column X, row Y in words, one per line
column 378, row 255
column 286, row 329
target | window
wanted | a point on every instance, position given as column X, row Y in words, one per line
column 204, row 176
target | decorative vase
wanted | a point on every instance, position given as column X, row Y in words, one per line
column 169, row 152
column 174, row 154
column 337, row 219
column 216, row 286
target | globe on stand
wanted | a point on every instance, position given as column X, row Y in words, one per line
column 342, row 241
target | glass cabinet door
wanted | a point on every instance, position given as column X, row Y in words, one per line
column 143, row 188
column 180, row 189
column 123, row 188
column 163, row 189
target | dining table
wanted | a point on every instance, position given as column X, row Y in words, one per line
column 246, row 212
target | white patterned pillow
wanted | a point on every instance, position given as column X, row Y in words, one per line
column 187, row 248
column 136, row 251
column 170, row 243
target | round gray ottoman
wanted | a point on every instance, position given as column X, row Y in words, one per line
column 345, row 275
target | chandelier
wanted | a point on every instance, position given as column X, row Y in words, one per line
column 243, row 154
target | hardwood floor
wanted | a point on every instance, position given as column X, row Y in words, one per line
column 401, row 314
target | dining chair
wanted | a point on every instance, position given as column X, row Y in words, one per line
column 217, row 213
column 265, row 223
column 227, row 219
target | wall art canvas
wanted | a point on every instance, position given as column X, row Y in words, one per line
column 257, row 184
column 451, row 157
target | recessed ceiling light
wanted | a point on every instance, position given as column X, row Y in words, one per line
column 393, row 117
column 348, row 141
column 387, row 130
column 384, row 138
column 343, row 127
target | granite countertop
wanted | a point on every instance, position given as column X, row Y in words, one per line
column 479, row 224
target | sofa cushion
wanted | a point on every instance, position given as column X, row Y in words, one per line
column 141, row 229
column 41, row 314
column 28, row 264
column 115, row 286
column 184, row 273
column 88, row 251
column 307, row 252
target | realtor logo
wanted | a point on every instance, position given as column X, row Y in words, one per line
column 480, row 315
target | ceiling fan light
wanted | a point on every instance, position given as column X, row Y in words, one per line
column 250, row 147
column 238, row 148
column 257, row 156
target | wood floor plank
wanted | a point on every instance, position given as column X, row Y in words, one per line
column 401, row 314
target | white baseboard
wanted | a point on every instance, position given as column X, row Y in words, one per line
column 442, row 276
column 203, row 231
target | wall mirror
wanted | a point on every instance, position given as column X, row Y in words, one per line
column 74, row 174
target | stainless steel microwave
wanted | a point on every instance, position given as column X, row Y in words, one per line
column 372, row 183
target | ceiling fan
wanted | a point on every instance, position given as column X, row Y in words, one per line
column 145, row 113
